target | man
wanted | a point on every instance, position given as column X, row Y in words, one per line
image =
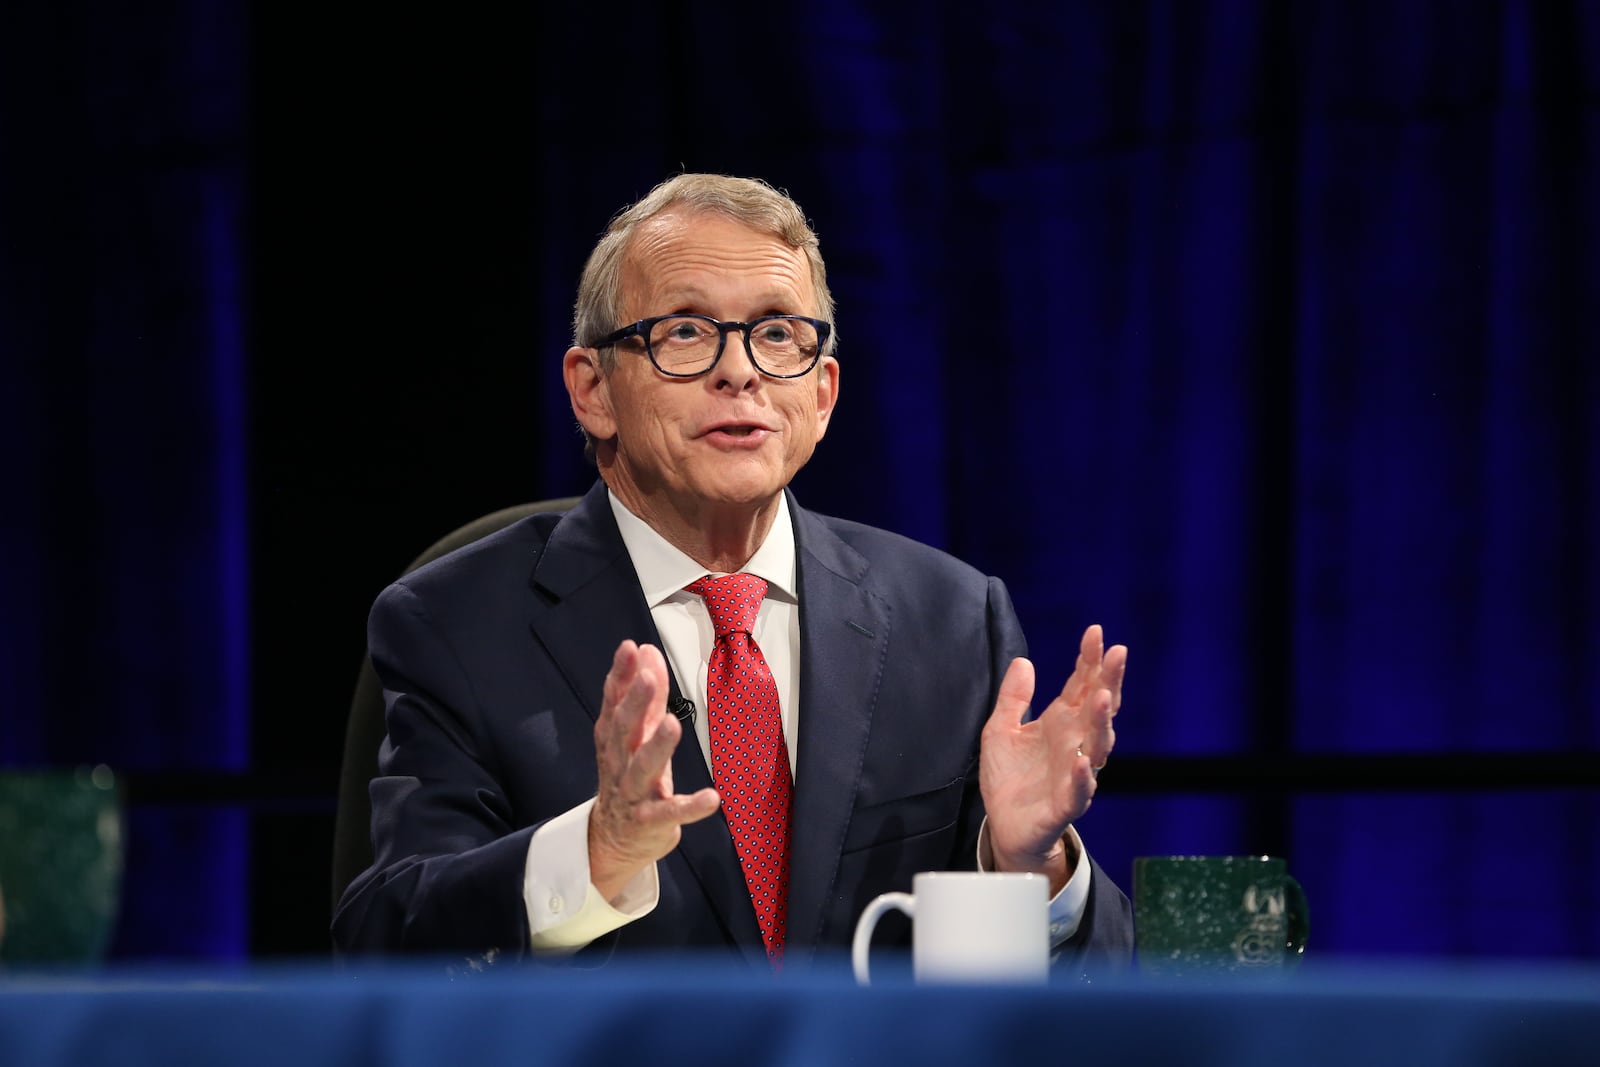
column 540, row 793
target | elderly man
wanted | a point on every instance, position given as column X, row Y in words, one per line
column 690, row 713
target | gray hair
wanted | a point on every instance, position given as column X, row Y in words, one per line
column 745, row 200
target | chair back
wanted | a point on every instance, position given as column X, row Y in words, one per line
column 364, row 731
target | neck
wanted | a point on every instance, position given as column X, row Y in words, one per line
column 721, row 537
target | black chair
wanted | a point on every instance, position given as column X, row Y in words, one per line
column 352, row 828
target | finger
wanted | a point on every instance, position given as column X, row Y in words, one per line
column 1113, row 672
column 1092, row 647
column 624, row 665
column 644, row 774
column 637, row 713
column 639, row 677
column 655, row 816
column 1016, row 693
column 653, row 665
column 1087, row 667
column 1097, row 733
column 608, row 739
column 694, row 806
column 1085, row 673
column 1078, row 785
column 1063, row 723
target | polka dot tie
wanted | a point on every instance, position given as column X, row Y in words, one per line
column 749, row 760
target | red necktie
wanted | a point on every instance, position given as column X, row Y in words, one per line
column 749, row 760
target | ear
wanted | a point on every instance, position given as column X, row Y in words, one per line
column 589, row 392
column 827, row 392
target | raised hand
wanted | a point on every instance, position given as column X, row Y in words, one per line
column 1038, row 777
column 636, row 815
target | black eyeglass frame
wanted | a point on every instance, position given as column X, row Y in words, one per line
column 642, row 328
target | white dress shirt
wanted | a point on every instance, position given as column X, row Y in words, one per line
column 565, row 911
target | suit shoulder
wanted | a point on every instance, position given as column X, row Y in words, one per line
column 945, row 608
column 496, row 564
column 885, row 548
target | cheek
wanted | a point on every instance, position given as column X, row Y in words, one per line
column 806, row 427
column 656, row 424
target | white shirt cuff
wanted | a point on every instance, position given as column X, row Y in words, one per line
column 1067, row 906
column 565, row 911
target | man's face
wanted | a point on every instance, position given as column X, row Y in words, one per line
column 732, row 436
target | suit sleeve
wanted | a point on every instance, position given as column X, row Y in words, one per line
column 447, row 873
column 1104, row 941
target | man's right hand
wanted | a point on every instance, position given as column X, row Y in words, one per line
column 636, row 816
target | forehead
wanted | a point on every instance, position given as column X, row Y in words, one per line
column 694, row 260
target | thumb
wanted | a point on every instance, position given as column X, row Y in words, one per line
column 1016, row 693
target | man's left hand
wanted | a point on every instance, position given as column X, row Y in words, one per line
column 1038, row 777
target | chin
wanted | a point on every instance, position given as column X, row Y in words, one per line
column 739, row 490
column 742, row 498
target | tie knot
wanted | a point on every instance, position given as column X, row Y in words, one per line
column 733, row 600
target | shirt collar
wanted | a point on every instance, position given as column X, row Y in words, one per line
column 664, row 569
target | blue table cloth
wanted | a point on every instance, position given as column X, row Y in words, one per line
column 686, row 1011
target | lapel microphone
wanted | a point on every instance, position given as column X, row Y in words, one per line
column 679, row 706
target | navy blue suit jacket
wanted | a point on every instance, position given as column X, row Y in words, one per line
column 493, row 660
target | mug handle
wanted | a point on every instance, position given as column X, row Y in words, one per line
column 1299, row 921
column 868, row 922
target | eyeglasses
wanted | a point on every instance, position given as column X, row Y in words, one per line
column 687, row 346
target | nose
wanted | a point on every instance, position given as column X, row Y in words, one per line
column 735, row 370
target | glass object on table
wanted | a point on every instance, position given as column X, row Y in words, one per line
column 1213, row 915
column 60, row 865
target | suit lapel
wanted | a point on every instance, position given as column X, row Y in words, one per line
column 844, row 633
column 590, row 602
column 588, row 598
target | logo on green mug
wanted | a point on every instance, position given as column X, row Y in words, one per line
column 1260, row 943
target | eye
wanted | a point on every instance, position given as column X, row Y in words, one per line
column 775, row 332
column 684, row 331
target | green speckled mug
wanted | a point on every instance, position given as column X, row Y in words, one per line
column 60, row 865
column 1216, row 915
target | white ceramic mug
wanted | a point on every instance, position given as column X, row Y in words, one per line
column 968, row 927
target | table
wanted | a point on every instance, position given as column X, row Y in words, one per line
column 688, row 1011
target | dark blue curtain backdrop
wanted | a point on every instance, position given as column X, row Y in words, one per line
column 125, row 640
column 1262, row 333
